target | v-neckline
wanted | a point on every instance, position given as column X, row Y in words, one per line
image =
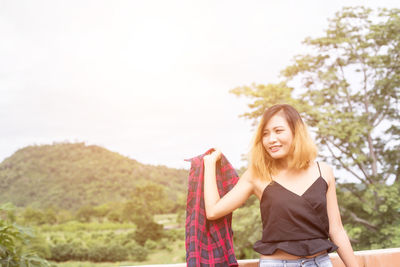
column 302, row 195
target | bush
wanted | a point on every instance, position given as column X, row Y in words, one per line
column 85, row 213
column 111, row 253
column 62, row 252
column 150, row 244
column 81, row 253
column 40, row 246
column 96, row 246
column 33, row 216
column 175, row 234
column 117, row 252
column 138, row 253
column 150, row 230
column 114, row 216
column 164, row 244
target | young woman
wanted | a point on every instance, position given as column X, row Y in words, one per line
column 298, row 204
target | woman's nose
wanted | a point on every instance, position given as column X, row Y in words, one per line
column 272, row 138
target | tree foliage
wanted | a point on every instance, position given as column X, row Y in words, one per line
column 347, row 89
column 147, row 200
column 247, row 228
column 15, row 248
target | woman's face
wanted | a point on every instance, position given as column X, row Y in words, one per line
column 277, row 137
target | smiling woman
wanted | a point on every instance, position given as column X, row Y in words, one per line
column 298, row 204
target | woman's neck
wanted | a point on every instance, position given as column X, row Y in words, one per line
column 282, row 165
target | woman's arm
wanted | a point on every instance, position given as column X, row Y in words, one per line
column 215, row 206
column 336, row 230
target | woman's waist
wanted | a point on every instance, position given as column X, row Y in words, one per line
column 282, row 255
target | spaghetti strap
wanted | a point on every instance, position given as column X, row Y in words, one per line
column 320, row 174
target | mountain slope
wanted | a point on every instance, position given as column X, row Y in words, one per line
column 69, row 175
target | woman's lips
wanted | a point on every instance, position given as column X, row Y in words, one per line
column 274, row 148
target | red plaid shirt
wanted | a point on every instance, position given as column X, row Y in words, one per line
column 208, row 243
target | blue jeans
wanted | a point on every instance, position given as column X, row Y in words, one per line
column 319, row 261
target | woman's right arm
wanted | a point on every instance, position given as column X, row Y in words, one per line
column 215, row 206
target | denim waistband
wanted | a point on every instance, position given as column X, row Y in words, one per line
column 318, row 259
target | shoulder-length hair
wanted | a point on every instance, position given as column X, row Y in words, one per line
column 301, row 153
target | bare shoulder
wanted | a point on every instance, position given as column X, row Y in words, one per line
column 249, row 176
column 327, row 172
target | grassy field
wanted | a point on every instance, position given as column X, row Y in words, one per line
column 175, row 255
column 167, row 252
column 74, row 226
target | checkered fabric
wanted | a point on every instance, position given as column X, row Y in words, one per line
column 208, row 243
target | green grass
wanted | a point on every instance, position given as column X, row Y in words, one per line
column 174, row 254
column 168, row 252
column 73, row 226
column 85, row 264
column 168, row 220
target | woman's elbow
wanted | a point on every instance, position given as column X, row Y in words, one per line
column 211, row 215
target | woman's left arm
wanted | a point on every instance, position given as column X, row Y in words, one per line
column 336, row 230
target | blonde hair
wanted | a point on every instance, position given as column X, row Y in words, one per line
column 302, row 151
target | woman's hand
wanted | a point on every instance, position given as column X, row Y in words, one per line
column 213, row 157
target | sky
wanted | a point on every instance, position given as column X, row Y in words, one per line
column 147, row 79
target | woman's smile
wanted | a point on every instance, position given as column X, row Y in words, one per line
column 274, row 149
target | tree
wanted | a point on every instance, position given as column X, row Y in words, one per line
column 32, row 216
column 85, row 213
column 247, row 229
column 147, row 200
column 148, row 231
column 15, row 249
column 347, row 89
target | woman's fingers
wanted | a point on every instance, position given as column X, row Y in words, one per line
column 214, row 156
column 217, row 153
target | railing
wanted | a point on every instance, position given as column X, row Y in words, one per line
column 368, row 258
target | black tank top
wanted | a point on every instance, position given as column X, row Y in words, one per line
column 295, row 224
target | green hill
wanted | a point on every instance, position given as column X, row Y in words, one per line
column 70, row 175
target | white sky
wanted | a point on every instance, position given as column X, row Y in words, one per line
column 147, row 79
